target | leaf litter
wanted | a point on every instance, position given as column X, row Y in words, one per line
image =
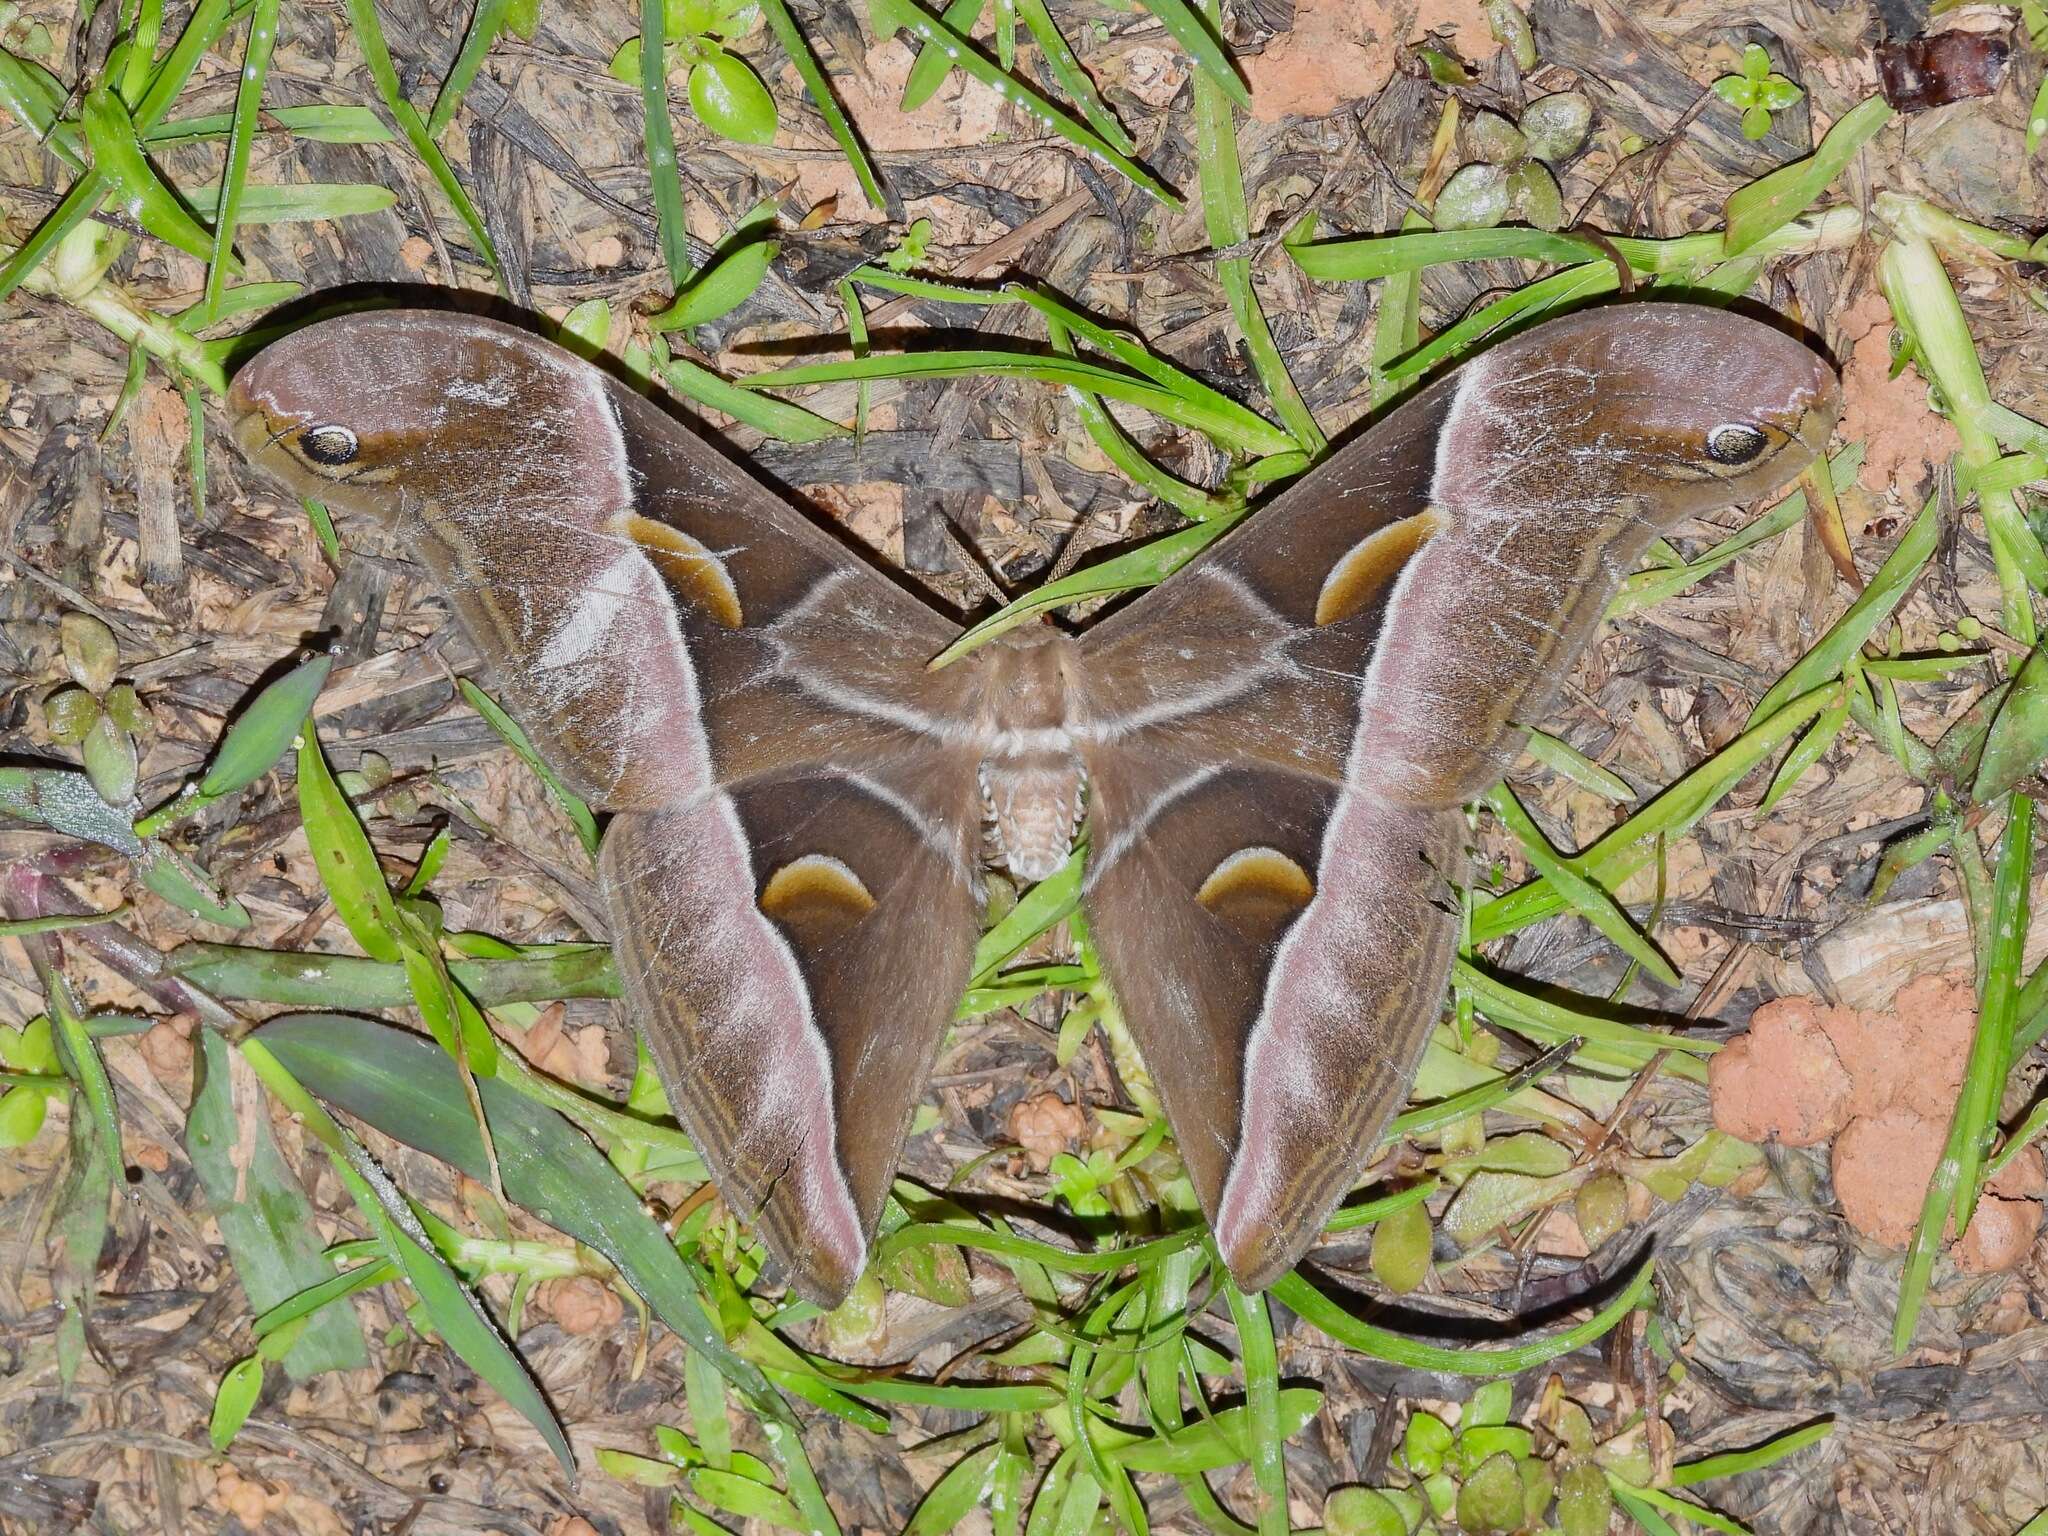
column 1777, row 1288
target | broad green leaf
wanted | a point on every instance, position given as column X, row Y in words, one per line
column 729, row 99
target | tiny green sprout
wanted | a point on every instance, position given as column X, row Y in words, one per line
column 1491, row 1501
column 1363, row 1512
column 725, row 94
column 1401, row 1242
column 857, row 1324
column 69, row 713
column 1601, row 1207
column 1509, row 173
column 910, row 251
column 1425, row 1444
column 91, row 654
column 1970, row 627
column 1757, row 92
column 33, row 1077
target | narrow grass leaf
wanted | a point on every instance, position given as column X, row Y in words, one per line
column 1145, row 566
column 1991, row 1053
column 256, row 53
column 963, row 1487
column 567, row 800
column 1555, row 753
column 143, row 195
column 1261, row 1363
column 486, row 21
column 1808, row 749
column 1823, row 662
column 321, row 124
column 1228, row 427
column 264, row 1216
column 888, row 16
column 934, row 61
column 187, row 886
column 1583, row 895
column 1755, row 210
column 409, row 1089
column 1318, row 1310
column 1645, row 588
column 263, row 733
column 1196, row 34
column 777, row 418
column 819, row 89
column 343, row 855
column 1730, row 1463
column 1068, row 73
column 369, row 33
column 2017, row 740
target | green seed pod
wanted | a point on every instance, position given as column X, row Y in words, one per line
column 1362, row 1512
column 1490, row 1502
column 1585, row 1503
column 110, row 762
column 1602, row 1207
column 1401, row 1242
column 90, row 652
column 69, row 713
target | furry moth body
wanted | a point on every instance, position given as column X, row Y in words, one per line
column 1272, row 746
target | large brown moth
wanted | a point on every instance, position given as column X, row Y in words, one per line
column 1270, row 749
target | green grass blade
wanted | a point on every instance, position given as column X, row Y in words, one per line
column 256, row 53
column 143, row 195
column 1320, row 1311
column 264, row 1216
column 1771, row 201
column 1646, row 588
column 888, row 16
column 384, row 74
column 1227, row 427
column 485, row 23
column 819, row 88
column 1730, row 1463
column 1584, row 896
column 1144, row 566
column 1229, row 223
column 1196, row 34
column 777, row 418
column 1261, row 1364
column 1823, row 663
column 322, row 124
column 1624, row 849
column 1067, row 70
column 1991, row 1047
column 450, row 1306
column 662, row 168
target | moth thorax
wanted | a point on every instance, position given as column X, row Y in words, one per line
column 1033, row 801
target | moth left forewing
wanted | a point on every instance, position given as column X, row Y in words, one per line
column 790, row 877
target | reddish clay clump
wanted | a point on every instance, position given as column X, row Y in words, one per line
column 1883, row 1086
column 1782, row 1081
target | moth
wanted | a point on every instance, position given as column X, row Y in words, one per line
column 1270, row 749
